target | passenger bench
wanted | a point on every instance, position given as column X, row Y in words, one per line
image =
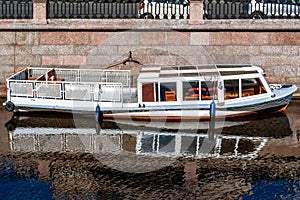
column 51, row 74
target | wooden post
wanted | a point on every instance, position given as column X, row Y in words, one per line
column 40, row 11
column 196, row 12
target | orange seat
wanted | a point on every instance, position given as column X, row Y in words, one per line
column 170, row 96
column 206, row 97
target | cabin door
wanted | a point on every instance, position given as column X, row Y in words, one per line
column 148, row 92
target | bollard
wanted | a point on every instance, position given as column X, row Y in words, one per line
column 212, row 120
column 98, row 115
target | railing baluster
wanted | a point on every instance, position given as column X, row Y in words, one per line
column 156, row 9
column 94, row 9
column 78, row 9
column 55, row 9
column 71, row 9
column 225, row 9
column 218, row 9
column 188, row 12
column 208, row 7
column 11, row 9
column 297, row 9
column 110, row 9
column 118, row 9
column 29, row 6
column 86, row 9
column 125, row 9
column 3, row 10
column 63, row 9
column 274, row 8
column 102, row 9
column 165, row 10
column 18, row 8
column 173, row 10
column 233, row 11
column 181, row 11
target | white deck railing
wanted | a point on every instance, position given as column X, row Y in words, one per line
column 69, row 84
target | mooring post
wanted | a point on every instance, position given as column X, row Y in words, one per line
column 98, row 115
column 212, row 120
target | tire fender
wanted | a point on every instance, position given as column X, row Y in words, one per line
column 9, row 106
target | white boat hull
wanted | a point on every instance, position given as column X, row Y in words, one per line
column 161, row 93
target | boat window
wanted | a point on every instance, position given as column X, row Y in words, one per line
column 252, row 86
column 190, row 90
column 209, row 90
column 168, row 91
column 231, row 89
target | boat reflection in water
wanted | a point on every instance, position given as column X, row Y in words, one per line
column 59, row 133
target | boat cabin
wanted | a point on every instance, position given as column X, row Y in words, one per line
column 200, row 83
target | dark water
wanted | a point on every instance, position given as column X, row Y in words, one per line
column 14, row 185
column 65, row 156
column 274, row 189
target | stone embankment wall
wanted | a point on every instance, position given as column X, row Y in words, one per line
column 272, row 44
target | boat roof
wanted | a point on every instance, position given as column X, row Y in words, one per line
column 157, row 71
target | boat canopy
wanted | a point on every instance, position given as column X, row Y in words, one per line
column 150, row 72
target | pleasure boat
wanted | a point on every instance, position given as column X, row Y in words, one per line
column 154, row 92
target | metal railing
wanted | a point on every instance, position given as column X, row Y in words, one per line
column 152, row 9
column 16, row 9
column 253, row 9
column 165, row 9
column 66, row 90
column 69, row 84
column 93, row 9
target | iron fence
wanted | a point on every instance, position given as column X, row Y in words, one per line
column 153, row 9
column 16, row 9
column 92, row 9
column 165, row 9
column 256, row 9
